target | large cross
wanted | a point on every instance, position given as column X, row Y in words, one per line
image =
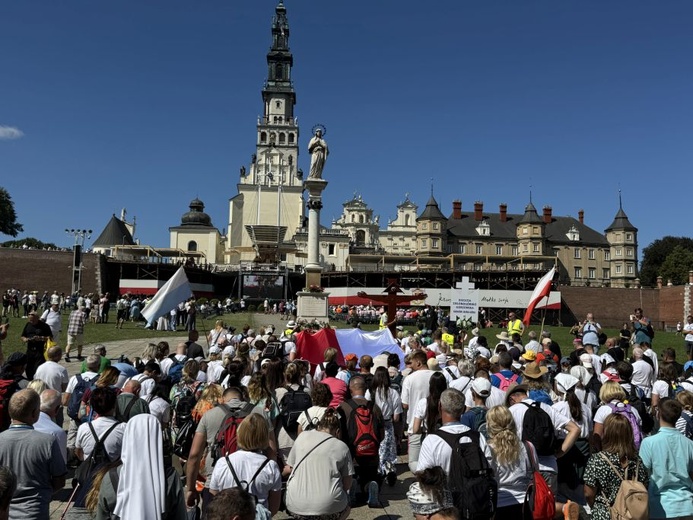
column 391, row 299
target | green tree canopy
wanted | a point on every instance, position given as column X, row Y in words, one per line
column 33, row 243
column 654, row 256
column 676, row 265
column 8, row 218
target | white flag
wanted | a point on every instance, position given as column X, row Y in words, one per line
column 176, row 290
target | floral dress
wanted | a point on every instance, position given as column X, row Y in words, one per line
column 600, row 475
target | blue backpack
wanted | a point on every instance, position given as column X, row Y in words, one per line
column 175, row 373
column 76, row 397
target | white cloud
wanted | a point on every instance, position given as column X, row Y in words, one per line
column 8, row 133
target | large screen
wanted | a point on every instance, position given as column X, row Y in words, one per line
column 263, row 286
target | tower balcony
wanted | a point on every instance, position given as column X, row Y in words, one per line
column 278, row 121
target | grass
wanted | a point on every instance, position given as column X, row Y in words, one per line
column 105, row 332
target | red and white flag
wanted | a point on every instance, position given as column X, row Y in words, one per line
column 540, row 292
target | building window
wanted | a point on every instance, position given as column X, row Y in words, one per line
column 619, row 269
column 192, row 246
column 435, row 226
column 423, row 243
column 360, row 237
column 629, row 269
column 463, row 248
column 406, row 219
column 291, row 138
column 576, row 253
column 434, row 243
column 618, row 237
column 424, row 225
column 591, row 254
column 535, row 229
column 619, row 252
column 592, row 273
column 578, row 272
column 279, row 104
column 479, row 249
column 263, row 137
column 514, row 251
column 629, row 252
column 607, row 255
column 360, row 219
column 282, row 138
column 525, row 248
column 330, row 249
column 499, row 250
column 605, row 273
column 525, row 231
column 629, row 236
column 535, row 248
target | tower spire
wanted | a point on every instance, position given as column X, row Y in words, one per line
column 620, row 202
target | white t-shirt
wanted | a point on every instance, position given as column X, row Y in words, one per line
column 87, row 376
column 165, row 365
column 246, row 464
column 390, row 406
column 433, row 347
column 518, row 410
column 147, row 384
column 661, row 388
column 420, row 412
column 513, row 479
column 113, row 443
column 436, row 452
column 415, row 387
column 585, row 426
column 53, row 374
column 605, row 410
column 688, row 329
column 587, row 397
column 653, row 356
column 160, row 408
column 315, row 413
column 462, row 383
column 451, row 373
column 642, row 376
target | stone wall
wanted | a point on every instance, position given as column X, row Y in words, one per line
column 36, row 270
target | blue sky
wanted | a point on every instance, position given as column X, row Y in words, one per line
column 146, row 105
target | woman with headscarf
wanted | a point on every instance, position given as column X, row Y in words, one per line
column 428, row 497
column 141, row 487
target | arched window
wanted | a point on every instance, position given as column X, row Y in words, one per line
column 263, row 137
column 291, row 138
column 280, row 71
column 353, row 217
column 192, row 246
column 406, row 219
column 360, row 219
column 282, row 138
column 360, row 237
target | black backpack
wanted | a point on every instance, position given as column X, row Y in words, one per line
column 470, row 480
column 292, row 405
column 538, row 429
column 647, row 423
column 183, row 405
column 87, row 470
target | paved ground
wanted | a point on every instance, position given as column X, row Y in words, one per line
column 393, row 499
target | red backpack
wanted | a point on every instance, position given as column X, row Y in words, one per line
column 539, row 500
column 225, row 441
column 362, row 430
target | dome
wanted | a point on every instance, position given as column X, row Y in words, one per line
column 196, row 216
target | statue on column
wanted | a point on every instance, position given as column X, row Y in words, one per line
column 317, row 147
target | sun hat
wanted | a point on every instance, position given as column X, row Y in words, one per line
column 513, row 389
column 503, row 336
column 481, row 386
column 529, row 355
column 534, row 371
column 586, row 360
column 565, row 382
column 291, row 324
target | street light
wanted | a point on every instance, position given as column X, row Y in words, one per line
column 80, row 235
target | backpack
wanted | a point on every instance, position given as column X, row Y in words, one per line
column 125, row 414
column 76, row 397
column 87, row 470
column 452, row 374
column 362, row 430
column 538, row 429
column 396, row 383
column 274, row 349
column 292, row 405
column 239, row 483
column 470, row 480
column 310, row 425
column 631, row 502
column 636, row 402
column 175, row 373
column 688, row 431
column 479, row 420
column 183, row 404
column 626, row 411
column 225, row 441
column 650, row 331
column 505, row 382
column 676, row 388
column 7, row 389
column 539, row 499
column 184, row 439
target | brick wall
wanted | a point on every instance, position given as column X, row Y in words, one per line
column 46, row 270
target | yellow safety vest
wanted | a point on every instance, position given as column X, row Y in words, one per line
column 515, row 326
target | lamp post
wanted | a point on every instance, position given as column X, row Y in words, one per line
column 80, row 235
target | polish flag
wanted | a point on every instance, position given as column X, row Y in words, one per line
column 540, row 292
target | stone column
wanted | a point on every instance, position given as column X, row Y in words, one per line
column 313, row 305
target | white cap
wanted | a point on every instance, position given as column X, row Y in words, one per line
column 482, row 386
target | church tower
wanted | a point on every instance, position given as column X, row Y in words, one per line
column 623, row 249
column 268, row 209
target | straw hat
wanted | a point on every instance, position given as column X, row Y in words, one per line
column 534, row 371
column 503, row 336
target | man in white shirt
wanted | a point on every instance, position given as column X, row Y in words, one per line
column 688, row 338
column 414, row 388
column 435, row 451
column 92, row 374
column 50, row 404
column 148, row 378
column 103, row 402
column 518, row 401
column 53, row 373
column 54, row 320
column 533, row 344
column 643, row 373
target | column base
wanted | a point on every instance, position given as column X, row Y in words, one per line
column 313, row 306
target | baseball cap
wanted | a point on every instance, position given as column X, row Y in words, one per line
column 214, row 350
column 586, row 360
column 350, row 357
column 481, row 386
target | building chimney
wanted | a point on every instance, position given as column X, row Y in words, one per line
column 547, row 214
column 503, row 209
column 457, row 209
column 478, row 211
column 659, row 282
column 581, row 216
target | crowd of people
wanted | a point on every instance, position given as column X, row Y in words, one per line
column 248, row 427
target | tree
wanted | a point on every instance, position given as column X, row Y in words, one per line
column 654, row 255
column 8, row 218
column 30, row 242
column 676, row 266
